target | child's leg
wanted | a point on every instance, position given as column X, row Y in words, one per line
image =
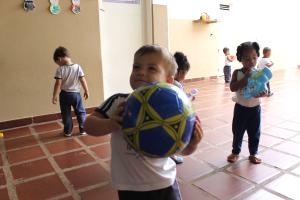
column 227, row 73
column 253, row 129
column 65, row 108
column 79, row 111
column 169, row 193
column 239, row 125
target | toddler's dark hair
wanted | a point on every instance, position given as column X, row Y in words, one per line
column 245, row 47
column 182, row 61
column 60, row 52
column 266, row 49
column 225, row 49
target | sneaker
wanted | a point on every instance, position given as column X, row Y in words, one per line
column 177, row 159
column 82, row 133
column 255, row 159
column 67, row 134
column 232, row 158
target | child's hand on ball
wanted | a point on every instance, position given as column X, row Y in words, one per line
column 195, row 139
column 198, row 133
column 117, row 116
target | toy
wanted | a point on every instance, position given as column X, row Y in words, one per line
column 29, row 5
column 158, row 120
column 75, row 6
column 257, row 82
column 192, row 94
column 54, row 7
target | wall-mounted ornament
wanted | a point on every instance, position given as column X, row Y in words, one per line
column 29, row 5
column 54, row 7
column 75, row 6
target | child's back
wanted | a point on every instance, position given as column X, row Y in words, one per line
column 70, row 76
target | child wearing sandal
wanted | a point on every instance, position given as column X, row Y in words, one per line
column 247, row 112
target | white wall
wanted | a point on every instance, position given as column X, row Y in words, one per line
column 270, row 23
column 192, row 9
column 122, row 33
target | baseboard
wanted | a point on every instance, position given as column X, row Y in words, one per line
column 35, row 119
column 199, row 79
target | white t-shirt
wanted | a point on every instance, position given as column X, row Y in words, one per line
column 130, row 170
column 262, row 63
column 240, row 99
column 70, row 75
column 227, row 61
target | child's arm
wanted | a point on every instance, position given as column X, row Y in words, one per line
column 235, row 84
column 195, row 140
column 97, row 125
column 85, row 88
column 270, row 64
column 56, row 90
column 230, row 58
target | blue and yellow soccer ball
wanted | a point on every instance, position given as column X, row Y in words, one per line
column 158, row 120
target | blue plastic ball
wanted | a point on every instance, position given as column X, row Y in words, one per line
column 158, row 120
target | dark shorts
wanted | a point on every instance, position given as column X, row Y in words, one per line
column 169, row 193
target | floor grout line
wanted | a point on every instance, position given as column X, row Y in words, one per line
column 57, row 169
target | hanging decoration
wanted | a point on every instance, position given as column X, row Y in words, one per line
column 29, row 5
column 75, row 6
column 54, row 7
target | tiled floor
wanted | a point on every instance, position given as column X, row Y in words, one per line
column 36, row 162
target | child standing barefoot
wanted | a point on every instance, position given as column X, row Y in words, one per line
column 247, row 112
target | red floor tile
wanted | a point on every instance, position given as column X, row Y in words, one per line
column 31, row 169
column 67, row 198
column 20, row 142
column 192, row 169
column 103, row 151
column 278, row 159
column 293, row 126
column 2, row 178
column 262, row 194
column 87, row 176
column 287, row 185
column 296, row 139
column 39, row 189
column 279, row 132
column 16, row 132
column 289, row 147
column 223, row 186
column 24, row 154
column 4, row 194
column 269, row 141
column 216, row 138
column 73, row 159
column 213, row 123
column 92, row 140
column 203, row 146
column 215, row 157
column 1, row 161
column 63, row 145
column 190, row 192
column 105, row 192
column 52, row 136
column 47, row 127
column 252, row 172
column 297, row 171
